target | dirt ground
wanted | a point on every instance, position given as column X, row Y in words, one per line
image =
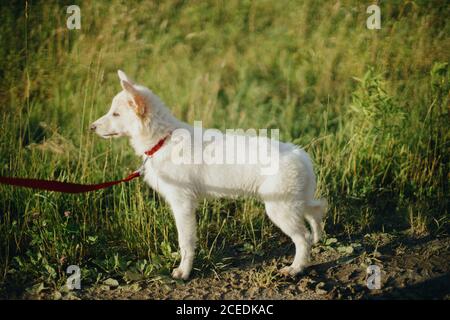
column 411, row 268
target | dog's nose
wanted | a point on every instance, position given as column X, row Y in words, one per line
column 93, row 127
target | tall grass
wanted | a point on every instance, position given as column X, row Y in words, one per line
column 371, row 106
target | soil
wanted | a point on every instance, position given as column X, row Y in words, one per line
column 411, row 268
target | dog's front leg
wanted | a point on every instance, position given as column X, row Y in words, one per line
column 184, row 213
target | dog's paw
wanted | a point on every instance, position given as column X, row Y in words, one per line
column 180, row 274
column 290, row 271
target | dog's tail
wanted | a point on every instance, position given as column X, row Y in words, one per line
column 315, row 212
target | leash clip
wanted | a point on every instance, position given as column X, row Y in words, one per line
column 141, row 169
column 150, row 153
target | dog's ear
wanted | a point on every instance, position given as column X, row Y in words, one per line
column 124, row 77
column 137, row 100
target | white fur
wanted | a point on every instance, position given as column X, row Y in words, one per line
column 288, row 195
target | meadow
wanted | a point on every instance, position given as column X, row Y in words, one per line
column 370, row 106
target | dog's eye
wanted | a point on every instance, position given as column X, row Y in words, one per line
column 115, row 114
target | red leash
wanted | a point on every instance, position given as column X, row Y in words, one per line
column 67, row 187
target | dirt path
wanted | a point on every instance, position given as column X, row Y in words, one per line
column 410, row 268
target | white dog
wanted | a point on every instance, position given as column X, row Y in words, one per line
column 288, row 193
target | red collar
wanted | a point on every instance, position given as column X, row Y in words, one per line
column 157, row 146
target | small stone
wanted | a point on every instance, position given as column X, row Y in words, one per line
column 345, row 249
column 135, row 287
column 71, row 296
column 57, row 295
column 320, row 288
column 303, row 285
column 110, row 282
column 330, row 241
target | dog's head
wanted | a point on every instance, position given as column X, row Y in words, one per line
column 130, row 110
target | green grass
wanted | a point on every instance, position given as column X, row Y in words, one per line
column 370, row 106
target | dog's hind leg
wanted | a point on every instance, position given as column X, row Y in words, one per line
column 291, row 223
column 184, row 213
column 315, row 211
